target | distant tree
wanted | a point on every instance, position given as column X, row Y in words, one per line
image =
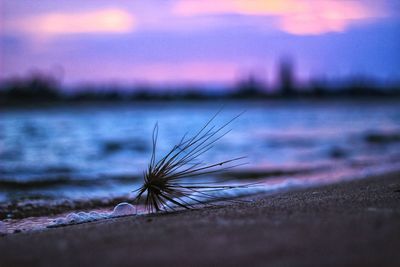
column 249, row 88
column 318, row 88
column 38, row 87
column 286, row 76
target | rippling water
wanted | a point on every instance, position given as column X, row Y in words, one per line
column 99, row 152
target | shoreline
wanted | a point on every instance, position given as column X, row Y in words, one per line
column 351, row 223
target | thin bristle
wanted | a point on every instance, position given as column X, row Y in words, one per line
column 163, row 178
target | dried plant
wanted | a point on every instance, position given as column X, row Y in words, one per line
column 165, row 184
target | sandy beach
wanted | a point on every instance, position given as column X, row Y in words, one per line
column 349, row 224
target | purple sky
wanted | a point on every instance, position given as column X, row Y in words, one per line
column 189, row 41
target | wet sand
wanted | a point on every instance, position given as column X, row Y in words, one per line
column 349, row 224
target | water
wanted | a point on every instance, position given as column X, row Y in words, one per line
column 71, row 155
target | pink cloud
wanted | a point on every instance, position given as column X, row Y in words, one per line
column 292, row 16
column 109, row 20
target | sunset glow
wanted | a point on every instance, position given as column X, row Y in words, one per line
column 206, row 41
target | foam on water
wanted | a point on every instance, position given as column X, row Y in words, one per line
column 122, row 209
column 79, row 217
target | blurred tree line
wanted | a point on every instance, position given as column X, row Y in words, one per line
column 42, row 88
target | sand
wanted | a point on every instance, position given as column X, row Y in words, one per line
column 349, row 224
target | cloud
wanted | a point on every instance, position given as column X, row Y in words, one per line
column 109, row 20
column 302, row 17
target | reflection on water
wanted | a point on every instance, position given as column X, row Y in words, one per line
column 97, row 153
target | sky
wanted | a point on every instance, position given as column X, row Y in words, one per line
column 198, row 41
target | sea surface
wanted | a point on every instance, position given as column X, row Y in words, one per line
column 71, row 155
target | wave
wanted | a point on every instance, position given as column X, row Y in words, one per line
column 48, row 181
